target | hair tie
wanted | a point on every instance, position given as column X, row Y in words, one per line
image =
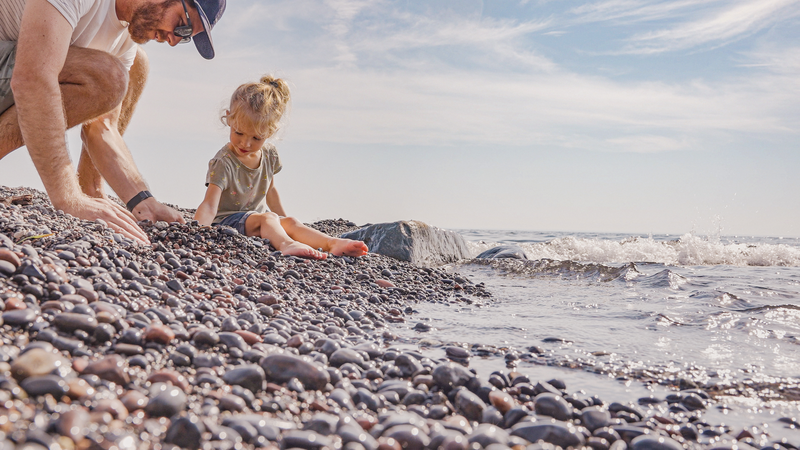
column 274, row 84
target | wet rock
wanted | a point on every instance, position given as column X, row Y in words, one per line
column 555, row 406
column 250, row 377
column 186, row 432
column 111, row 368
column 647, row 442
column 451, row 375
column 487, row 434
column 308, row 440
column 593, row 418
column 413, row 241
column 469, row 404
column 556, row 433
column 344, row 356
column 19, row 317
column 74, row 424
column 161, row 334
column 37, row 362
column 46, row 384
column 166, row 401
column 282, row 368
column 70, row 322
column 408, row 436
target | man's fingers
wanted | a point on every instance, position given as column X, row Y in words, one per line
column 127, row 227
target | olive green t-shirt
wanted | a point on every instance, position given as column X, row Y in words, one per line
column 243, row 188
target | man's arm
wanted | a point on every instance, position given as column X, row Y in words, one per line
column 274, row 200
column 105, row 152
column 42, row 50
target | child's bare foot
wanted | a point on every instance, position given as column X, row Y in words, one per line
column 302, row 251
column 348, row 247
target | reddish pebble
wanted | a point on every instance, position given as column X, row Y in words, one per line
column 89, row 294
column 268, row 300
column 8, row 255
column 316, row 405
column 384, row 283
column 133, row 400
column 366, row 421
column 502, row 401
column 80, row 364
column 163, row 376
column 238, row 281
column 182, row 275
column 110, row 368
column 159, row 333
column 79, row 388
column 13, row 303
column 249, row 337
column 295, row 341
column 112, row 406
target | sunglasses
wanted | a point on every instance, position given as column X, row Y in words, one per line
column 184, row 31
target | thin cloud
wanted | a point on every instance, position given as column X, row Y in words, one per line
column 717, row 28
column 632, row 11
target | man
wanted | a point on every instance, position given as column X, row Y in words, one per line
column 70, row 62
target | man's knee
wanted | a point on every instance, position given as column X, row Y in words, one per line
column 104, row 74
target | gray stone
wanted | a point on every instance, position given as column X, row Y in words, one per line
column 651, row 442
column 552, row 405
column 556, row 433
column 283, row 367
column 413, row 241
column 249, row 377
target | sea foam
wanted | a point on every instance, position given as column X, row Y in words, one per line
column 688, row 250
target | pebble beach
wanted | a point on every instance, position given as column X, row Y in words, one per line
column 207, row 339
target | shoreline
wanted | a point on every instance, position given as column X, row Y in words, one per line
column 210, row 339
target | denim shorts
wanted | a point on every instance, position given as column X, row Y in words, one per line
column 236, row 221
column 8, row 55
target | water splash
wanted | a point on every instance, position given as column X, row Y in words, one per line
column 688, row 250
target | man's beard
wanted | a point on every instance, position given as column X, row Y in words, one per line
column 146, row 18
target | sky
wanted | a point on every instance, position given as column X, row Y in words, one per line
column 631, row 116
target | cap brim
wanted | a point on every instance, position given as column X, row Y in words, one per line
column 202, row 40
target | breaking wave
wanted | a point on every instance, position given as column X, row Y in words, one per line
column 688, row 250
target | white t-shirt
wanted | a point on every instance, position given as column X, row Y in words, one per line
column 94, row 22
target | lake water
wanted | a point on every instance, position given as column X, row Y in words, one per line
column 612, row 312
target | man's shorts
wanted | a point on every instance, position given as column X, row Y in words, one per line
column 8, row 55
column 236, row 221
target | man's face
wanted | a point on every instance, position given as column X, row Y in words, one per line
column 156, row 21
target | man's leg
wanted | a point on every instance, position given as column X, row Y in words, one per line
column 89, row 177
column 92, row 83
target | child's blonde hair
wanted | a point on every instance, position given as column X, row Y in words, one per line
column 262, row 104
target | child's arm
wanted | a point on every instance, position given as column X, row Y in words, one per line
column 274, row 200
column 208, row 209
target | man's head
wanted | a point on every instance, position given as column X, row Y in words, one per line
column 158, row 21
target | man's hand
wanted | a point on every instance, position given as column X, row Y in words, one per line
column 117, row 218
column 153, row 210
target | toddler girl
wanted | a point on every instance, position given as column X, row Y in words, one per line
column 241, row 190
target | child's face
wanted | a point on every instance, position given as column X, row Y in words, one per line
column 245, row 140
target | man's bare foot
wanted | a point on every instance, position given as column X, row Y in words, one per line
column 302, row 251
column 348, row 247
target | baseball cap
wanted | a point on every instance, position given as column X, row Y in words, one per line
column 210, row 12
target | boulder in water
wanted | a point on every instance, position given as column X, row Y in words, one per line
column 413, row 241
